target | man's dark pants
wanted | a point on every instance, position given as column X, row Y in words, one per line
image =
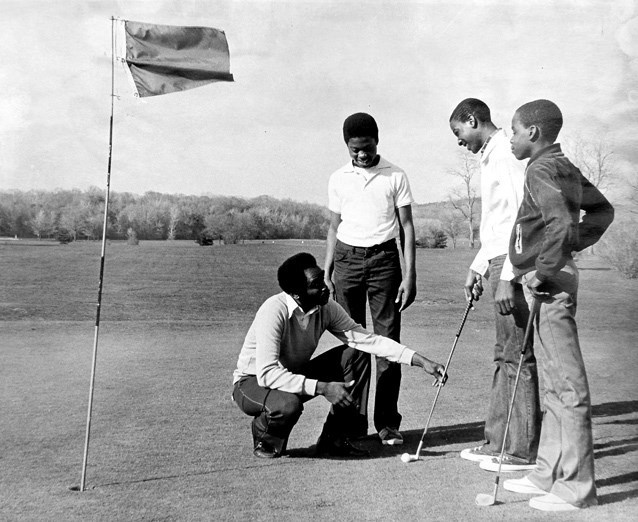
column 276, row 412
column 373, row 275
column 524, row 430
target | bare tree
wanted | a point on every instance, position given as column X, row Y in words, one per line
column 464, row 199
column 594, row 158
column 174, row 217
column 452, row 223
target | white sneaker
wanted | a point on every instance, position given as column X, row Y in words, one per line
column 477, row 454
column 509, row 464
column 551, row 502
column 523, row 485
column 390, row 437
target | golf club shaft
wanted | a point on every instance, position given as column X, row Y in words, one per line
column 447, row 364
column 528, row 330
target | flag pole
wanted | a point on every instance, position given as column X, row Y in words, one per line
column 101, row 281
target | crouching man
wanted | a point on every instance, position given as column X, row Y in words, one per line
column 275, row 374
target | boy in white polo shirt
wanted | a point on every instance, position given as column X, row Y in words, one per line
column 370, row 202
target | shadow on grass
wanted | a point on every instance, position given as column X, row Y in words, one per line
column 437, row 436
column 617, row 496
column 611, row 409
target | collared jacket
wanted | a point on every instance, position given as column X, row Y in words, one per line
column 548, row 226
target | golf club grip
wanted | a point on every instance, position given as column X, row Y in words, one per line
column 467, row 311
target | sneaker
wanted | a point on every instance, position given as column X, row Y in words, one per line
column 523, row 485
column 477, row 454
column 551, row 502
column 390, row 437
column 509, row 464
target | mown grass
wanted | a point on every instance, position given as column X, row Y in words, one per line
column 168, row 444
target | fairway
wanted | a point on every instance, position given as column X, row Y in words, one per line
column 167, row 442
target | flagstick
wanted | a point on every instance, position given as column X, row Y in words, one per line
column 99, row 293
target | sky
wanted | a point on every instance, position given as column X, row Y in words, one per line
column 300, row 69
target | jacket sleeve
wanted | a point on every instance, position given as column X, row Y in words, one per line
column 598, row 215
column 560, row 229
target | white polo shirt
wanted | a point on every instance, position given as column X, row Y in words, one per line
column 366, row 199
column 501, row 195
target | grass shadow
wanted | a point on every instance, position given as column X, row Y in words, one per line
column 617, row 496
column 611, row 409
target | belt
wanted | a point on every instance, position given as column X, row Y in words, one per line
column 388, row 246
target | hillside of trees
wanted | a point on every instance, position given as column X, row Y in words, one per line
column 78, row 215
column 70, row 215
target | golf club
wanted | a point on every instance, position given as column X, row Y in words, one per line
column 406, row 457
column 483, row 499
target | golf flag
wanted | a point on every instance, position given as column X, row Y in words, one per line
column 167, row 58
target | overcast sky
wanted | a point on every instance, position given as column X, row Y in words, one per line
column 300, row 68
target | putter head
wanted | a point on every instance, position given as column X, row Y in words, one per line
column 408, row 458
column 483, row 499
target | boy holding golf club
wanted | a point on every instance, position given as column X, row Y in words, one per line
column 547, row 230
column 370, row 207
column 501, row 194
column 277, row 373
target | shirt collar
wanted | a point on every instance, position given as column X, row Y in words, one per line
column 382, row 164
column 484, row 149
column 554, row 147
column 295, row 309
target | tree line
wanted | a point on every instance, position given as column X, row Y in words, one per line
column 69, row 215
column 78, row 215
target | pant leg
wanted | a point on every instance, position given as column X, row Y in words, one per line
column 383, row 278
column 350, row 292
column 274, row 412
column 342, row 364
column 565, row 463
column 525, row 423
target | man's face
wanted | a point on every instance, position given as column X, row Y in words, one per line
column 520, row 141
column 316, row 291
column 363, row 151
column 467, row 135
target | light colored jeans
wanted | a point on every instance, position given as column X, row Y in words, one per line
column 565, row 460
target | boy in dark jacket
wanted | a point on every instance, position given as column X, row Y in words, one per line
column 548, row 229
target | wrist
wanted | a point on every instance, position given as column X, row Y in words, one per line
column 321, row 388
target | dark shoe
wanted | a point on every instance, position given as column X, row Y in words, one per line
column 264, row 451
column 339, row 447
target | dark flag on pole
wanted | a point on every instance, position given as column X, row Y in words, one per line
column 168, row 58
column 161, row 59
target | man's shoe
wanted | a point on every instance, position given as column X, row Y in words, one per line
column 523, row 485
column 477, row 454
column 338, row 447
column 551, row 502
column 390, row 437
column 509, row 464
column 264, row 451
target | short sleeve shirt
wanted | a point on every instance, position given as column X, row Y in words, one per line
column 366, row 199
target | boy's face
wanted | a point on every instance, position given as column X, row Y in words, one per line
column 521, row 140
column 363, row 151
column 467, row 134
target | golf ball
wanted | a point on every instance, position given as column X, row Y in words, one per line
column 405, row 457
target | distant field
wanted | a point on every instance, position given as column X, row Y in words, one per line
column 167, row 442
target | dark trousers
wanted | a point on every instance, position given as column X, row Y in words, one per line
column 525, row 424
column 373, row 275
column 276, row 412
